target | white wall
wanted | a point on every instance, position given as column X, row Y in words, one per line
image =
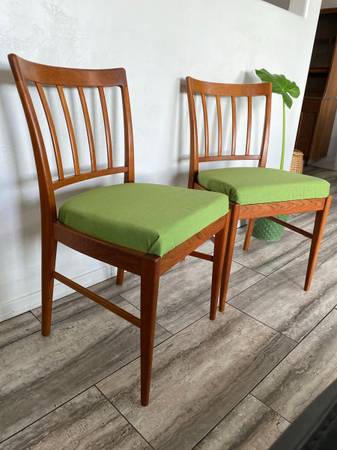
column 158, row 42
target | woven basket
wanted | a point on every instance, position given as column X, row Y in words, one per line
column 297, row 162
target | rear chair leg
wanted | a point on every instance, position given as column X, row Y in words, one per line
column 249, row 232
column 148, row 311
column 120, row 276
column 218, row 261
column 49, row 247
column 320, row 221
column 233, row 224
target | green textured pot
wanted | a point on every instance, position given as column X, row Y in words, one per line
column 267, row 230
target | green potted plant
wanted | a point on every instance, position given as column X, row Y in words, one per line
column 266, row 229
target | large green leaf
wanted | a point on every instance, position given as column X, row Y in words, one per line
column 280, row 85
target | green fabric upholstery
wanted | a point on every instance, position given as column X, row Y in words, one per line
column 150, row 218
column 251, row 185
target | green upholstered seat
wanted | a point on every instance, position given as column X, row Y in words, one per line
column 251, row 185
column 150, row 218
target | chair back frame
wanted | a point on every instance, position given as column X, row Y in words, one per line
column 43, row 75
column 218, row 90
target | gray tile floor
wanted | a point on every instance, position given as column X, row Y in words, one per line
column 235, row 383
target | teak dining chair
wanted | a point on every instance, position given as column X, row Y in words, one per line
column 141, row 228
column 253, row 191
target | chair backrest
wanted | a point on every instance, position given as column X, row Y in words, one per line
column 232, row 91
column 42, row 76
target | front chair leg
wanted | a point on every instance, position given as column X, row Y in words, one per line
column 49, row 247
column 320, row 221
column 220, row 242
column 233, row 224
column 148, row 311
column 120, row 276
column 249, row 233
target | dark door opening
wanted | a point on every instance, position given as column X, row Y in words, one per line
column 320, row 97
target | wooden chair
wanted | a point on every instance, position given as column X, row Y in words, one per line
column 239, row 183
column 150, row 266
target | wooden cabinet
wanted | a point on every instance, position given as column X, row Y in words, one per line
column 320, row 97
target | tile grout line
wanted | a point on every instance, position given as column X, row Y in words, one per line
column 47, row 413
column 271, row 409
column 266, row 325
column 292, row 350
column 121, row 414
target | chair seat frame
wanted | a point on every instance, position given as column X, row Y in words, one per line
column 148, row 267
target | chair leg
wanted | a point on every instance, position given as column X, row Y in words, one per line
column 120, row 276
column 218, row 261
column 320, row 221
column 148, row 311
column 233, row 224
column 49, row 247
column 249, row 232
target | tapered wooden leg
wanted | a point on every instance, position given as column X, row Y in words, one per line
column 320, row 221
column 218, row 262
column 49, row 246
column 120, row 276
column 233, row 224
column 249, row 232
column 148, row 311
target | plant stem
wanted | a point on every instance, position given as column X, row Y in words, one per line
column 283, row 136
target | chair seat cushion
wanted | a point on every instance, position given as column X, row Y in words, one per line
column 251, row 185
column 150, row 218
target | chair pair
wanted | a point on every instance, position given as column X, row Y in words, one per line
column 254, row 192
column 142, row 228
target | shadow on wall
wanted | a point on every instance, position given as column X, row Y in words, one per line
column 29, row 209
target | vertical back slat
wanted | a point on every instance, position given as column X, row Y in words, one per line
column 266, row 131
column 249, row 124
column 52, row 130
column 219, row 115
column 106, row 125
column 233, row 101
column 204, row 108
column 70, row 129
column 88, row 128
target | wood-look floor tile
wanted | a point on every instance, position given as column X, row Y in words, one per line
column 86, row 422
column 17, row 328
column 266, row 257
column 304, row 373
column 40, row 373
column 249, row 426
column 198, row 376
column 280, row 301
column 184, row 294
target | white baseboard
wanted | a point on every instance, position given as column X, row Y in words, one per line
column 30, row 301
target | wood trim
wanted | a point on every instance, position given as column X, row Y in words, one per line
column 88, row 128
column 277, row 208
column 70, row 128
column 107, row 129
column 98, row 299
column 87, row 176
column 233, row 146
column 52, row 130
column 229, row 158
column 113, row 254
column 328, row 11
column 219, row 116
column 200, row 255
column 186, row 248
column 206, row 131
column 291, row 227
